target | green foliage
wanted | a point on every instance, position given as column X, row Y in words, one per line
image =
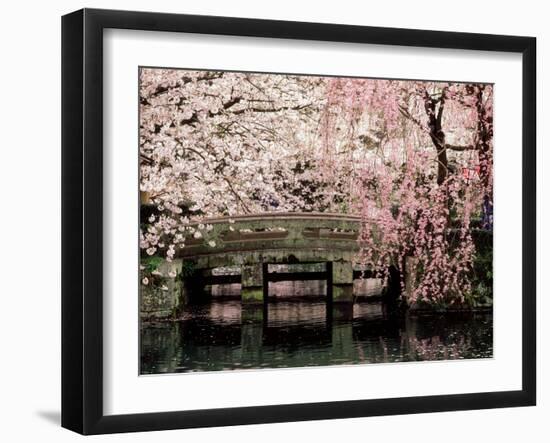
column 482, row 280
column 151, row 263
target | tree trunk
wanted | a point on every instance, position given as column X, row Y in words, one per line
column 436, row 132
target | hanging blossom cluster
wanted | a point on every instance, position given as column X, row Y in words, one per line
column 406, row 223
column 422, row 179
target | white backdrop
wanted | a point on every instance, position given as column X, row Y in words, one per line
column 30, row 179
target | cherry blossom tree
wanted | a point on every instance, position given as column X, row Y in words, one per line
column 220, row 143
column 416, row 203
column 414, row 159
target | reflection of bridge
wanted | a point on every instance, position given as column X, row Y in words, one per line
column 252, row 242
column 267, row 337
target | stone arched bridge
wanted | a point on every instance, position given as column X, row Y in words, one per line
column 252, row 242
column 275, row 238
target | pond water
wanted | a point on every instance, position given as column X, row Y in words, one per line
column 299, row 332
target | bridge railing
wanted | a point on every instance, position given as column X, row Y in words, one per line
column 272, row 231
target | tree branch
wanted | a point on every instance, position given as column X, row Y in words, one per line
column 405, row 113
column 147, row 160
column 459, row 147
column 282, row 108
column 161, row 89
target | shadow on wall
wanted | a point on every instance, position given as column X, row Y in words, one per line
column 54, row 417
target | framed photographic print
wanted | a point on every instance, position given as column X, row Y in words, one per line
column 269, row 221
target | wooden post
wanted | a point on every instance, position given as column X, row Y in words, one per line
column 342, row 282
column 265, row 281
column 252, row 281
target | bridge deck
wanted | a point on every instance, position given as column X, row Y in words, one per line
column 275, row 238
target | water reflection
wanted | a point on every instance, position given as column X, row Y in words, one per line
column 222, row 335
column 362, row 288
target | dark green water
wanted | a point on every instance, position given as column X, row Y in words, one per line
column 222, row 336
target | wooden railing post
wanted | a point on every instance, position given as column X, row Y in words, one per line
column 342, row 282
column 252, row 281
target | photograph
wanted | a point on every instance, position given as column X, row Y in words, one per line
column 291, row 220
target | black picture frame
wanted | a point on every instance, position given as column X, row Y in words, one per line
column 82, row 215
